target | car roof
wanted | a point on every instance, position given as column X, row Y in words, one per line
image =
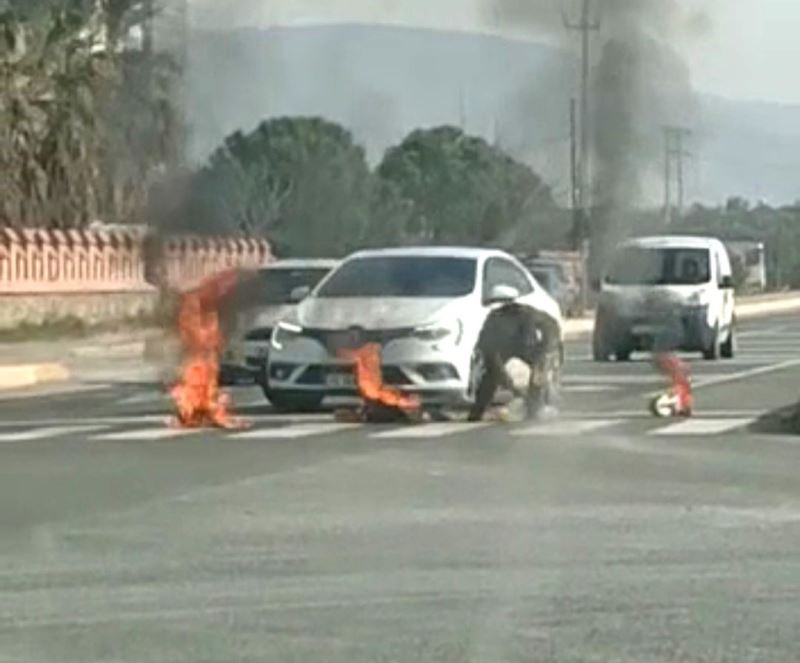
column 674, row 241
column 431, row 252
column 301, row 263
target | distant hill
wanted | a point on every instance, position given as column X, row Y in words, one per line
column 382, row 82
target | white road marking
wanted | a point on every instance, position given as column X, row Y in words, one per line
column 147, row 434
column 742, row 375
column 588, row 388
column 294, row 432
column 50, row 431
column 567, row 427
column 429, row 430
column 703, row 426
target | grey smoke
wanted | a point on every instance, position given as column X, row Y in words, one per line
column 639, row 84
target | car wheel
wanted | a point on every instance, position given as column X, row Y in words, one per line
column 293, row 402
column 623, row 354
column 728, row 348
column 477, row 369
column 712, row 352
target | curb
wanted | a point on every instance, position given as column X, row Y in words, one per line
column 28, row 375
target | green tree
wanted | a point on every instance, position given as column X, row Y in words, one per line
column 302, row 182
column 461, row 189
column 85, row 121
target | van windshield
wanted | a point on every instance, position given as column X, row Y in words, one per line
column 636, row 265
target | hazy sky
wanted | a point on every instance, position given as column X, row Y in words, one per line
column 748, row 50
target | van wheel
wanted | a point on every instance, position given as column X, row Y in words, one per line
column 728, row 348
column 712, row 352
column 623, row 354
column 600, row 349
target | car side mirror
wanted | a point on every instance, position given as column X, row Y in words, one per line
column 503, row 294
column 299, row 293
column 726, row 283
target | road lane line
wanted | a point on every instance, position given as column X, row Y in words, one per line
column 567, row 427
column 294, row 432
column 753, row 372
column 703, row 426
column 148, row 434
column 47, row 432
column 428, row 430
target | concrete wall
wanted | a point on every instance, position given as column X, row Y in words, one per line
column 107, row 275
column 91, row 308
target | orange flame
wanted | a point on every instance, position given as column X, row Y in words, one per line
column 369, row 380
column 197, row 396
column 678, row 373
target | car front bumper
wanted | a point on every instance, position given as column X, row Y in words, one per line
column 438, row 373
column 686, row 329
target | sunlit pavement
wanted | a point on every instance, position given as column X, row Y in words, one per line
column 603, row 535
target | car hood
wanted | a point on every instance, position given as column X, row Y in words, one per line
column 373, row 313
column 263, row 316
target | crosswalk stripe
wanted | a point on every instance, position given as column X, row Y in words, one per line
column 146, row 434
column 703, row 426
column 567, row 427
column 41, row 433
column 428, row 430
column 294, row 432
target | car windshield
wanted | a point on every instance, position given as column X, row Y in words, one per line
column 638, row 265
column 275, row 286
column 402, row 276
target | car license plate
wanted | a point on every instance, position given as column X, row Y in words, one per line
column 340, row 380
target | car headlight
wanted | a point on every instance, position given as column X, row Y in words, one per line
column 283, row 333
column 438, row 331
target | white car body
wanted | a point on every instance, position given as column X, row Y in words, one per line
column 705, row 306
column 427, row 342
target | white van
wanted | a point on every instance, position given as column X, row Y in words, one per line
column 688, row 279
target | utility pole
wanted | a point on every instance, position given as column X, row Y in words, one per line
column 573, row 166
column 586, row 25
column 674, row 152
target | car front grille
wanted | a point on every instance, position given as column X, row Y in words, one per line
column 317, row 374
column 355, row 337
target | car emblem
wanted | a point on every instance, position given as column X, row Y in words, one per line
column 354, row 337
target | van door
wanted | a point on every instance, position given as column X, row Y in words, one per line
column 724, row 273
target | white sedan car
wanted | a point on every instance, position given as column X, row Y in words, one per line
column 424, row 306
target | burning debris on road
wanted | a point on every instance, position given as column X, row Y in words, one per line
column 381, row 404
column 197, row 396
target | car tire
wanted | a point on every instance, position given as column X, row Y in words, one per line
column 712, row 352
column 623, row 354
column 728, row 348
column 293, row 402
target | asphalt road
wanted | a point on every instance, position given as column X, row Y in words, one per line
column 605, row 535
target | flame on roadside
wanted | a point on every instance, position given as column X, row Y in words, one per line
column 369, row 380
column 197, row 396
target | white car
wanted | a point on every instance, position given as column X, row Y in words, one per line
column 425, row 307
column 258, row 303
column 687, row 280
